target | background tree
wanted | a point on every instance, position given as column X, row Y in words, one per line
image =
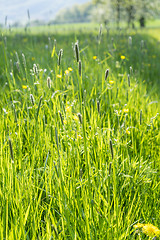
column 113, row 9
column 102, row 11
column 78, row 13
column 147, row 9
column 130, row 10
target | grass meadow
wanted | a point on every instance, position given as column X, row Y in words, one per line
column 79, row 134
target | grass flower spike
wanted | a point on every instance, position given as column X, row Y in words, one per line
column 49, row 82
column 77, row 51
column 60, row 56
column 106, row 74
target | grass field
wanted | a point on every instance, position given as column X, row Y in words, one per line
column 80, row 148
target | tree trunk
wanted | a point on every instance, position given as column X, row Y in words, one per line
column 118, row 13
column 142, row 22
column 130, row 11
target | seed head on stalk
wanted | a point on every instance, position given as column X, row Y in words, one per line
column 130, row 41
column 11, row 65
column 49, row 82
column 11, row 149
column 60, row 114
column 80, row 117
column 60, row 56
column 111, row 147
column 55, row 42
column 106, row 74
column 17, row 57
column 98, row 106
column 24, row 60
column 77, row 51
column 17, row 65
column 140, row 117
column 129, row 82
column 131, row 70
column 80, row 67
column 32, row 99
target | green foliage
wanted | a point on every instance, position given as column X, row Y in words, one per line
column 117, row 10
column 78, row 13
column 80, row 154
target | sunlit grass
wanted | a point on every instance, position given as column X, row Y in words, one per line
column 79, row 142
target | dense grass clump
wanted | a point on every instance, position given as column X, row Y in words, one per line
column 79, row 136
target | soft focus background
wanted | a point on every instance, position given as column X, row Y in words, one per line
column 16, row 13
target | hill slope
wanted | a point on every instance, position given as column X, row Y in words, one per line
column 16, row 10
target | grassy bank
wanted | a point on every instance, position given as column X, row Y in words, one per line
column 79, row 147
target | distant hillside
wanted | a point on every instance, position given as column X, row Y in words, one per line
column 76, row 14
column 16, row 10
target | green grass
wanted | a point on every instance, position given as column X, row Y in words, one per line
column 56, row 28
column 79, row 160
column 152, row 24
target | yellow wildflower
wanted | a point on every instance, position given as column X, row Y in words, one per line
column 75, row 118
column 94, row 57
column 59, row 76
column 123, row 57
column 125, row 110
column 127, row 131
column 65, row 121
column 111, row 82
column 138, row 225
column 150, row 230
column 68, row 109
column 70, row 69
column 80, row 137
column 33, row 58
column 24, row 86
column 67, row 72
